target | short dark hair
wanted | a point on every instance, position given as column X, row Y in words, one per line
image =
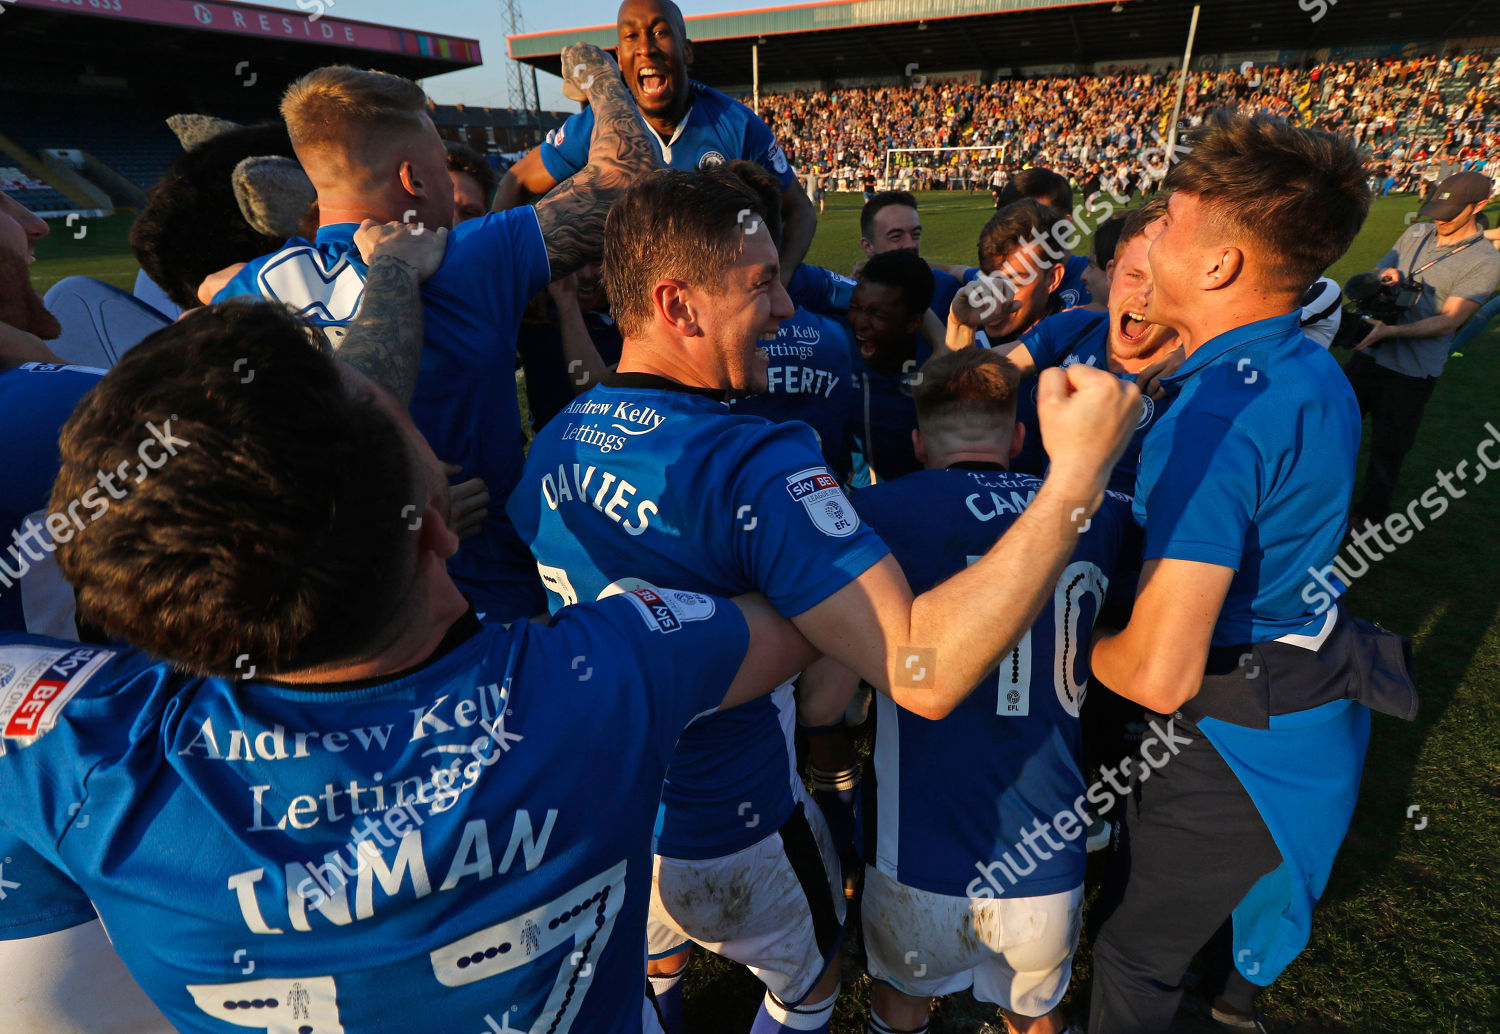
column 673, row 224
column 877, row 203
column 905, row 271
column 1136, row 221
column 1300, row 194
column 463, row 158
column 1044, row 185
column 1017, row 223
column 765, row 187
column 275, row 535
column 966, row 383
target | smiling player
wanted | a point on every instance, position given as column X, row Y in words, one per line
column 693, row 126
column 649, row 479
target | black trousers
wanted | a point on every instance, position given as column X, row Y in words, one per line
column 1192, row 846
column 1395, row 403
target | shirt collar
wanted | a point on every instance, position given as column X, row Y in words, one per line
column 653, row 382
column 336, row 233
column 1214, row 349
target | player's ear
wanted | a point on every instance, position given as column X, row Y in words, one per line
column 1109, row 271
column 687, row 53
column 1017, row 439
column 410, row 181
column 919, row 445
column 1055, row 276
column 1228, row 264
column 672, row 304
column 434, row 535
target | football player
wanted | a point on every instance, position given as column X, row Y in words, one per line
column 650, row 479
column 370, row 149
column 692, row 126
column 995, row 786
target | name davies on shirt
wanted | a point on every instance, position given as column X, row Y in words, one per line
column 609, row 493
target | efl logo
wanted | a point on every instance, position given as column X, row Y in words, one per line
column 819, row 493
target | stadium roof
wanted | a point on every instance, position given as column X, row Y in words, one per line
column 844, row 39
column 130, row 35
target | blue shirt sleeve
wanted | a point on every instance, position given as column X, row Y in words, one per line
column 799, row 537
column 681, row 649
column 820, row 291
column 761, row 147
column 571, row 151
column 1045, row 343
column 1205, row 483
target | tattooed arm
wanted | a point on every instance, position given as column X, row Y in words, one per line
column 572, row 214
column 385, row 340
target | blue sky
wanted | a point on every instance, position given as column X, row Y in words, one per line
column 484, row 20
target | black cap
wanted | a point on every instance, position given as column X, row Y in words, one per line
column 1455, row 194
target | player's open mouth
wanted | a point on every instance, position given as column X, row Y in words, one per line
column 1133, row 326
column 866, row 347
column 653, row 81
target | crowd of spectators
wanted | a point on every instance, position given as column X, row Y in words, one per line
column 1106, row 132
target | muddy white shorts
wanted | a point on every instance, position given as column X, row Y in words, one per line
column 776, row 907
column 1016, row 953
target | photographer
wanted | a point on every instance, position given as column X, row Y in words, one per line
column 1434, row 278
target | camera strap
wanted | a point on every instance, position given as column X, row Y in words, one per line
column 1411, row 274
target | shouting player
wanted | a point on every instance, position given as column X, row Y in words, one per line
column 371, row 150
column 692, row 126
column 1119, row 340
column 650, row 479
column 995, row 786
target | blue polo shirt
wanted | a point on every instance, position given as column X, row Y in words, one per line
column 1252, row 468
column 715, row 131
column 1076, row 336
column 465, row 399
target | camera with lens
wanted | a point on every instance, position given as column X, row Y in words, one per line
column 1371, row 297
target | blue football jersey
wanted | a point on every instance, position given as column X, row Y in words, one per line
column 638, row 484
column 450, row 850
column 954, row 796
column 35, row 401
column 715, row 131
column 1077, row 336
column 811, row 378
column 885, row 415
column 465, row 401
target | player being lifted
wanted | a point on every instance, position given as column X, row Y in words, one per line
column 650, row 479
column 994, row 787
column 692, row 126
column 372, row 152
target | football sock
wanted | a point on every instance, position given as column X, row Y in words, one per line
column 668, row 991
column 775, row 1018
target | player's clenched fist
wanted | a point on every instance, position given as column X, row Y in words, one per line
column 419, row 246
column 1087, row 417
column 582, row 63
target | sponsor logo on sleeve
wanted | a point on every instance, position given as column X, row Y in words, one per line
column 778, row 160
column 36, row 683
column 667, row 610
column 819, row 493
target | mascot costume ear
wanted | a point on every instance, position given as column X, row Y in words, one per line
column 234, row 194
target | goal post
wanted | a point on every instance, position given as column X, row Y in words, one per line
column 993, row 151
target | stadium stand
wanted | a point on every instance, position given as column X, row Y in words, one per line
column 1098, row 126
